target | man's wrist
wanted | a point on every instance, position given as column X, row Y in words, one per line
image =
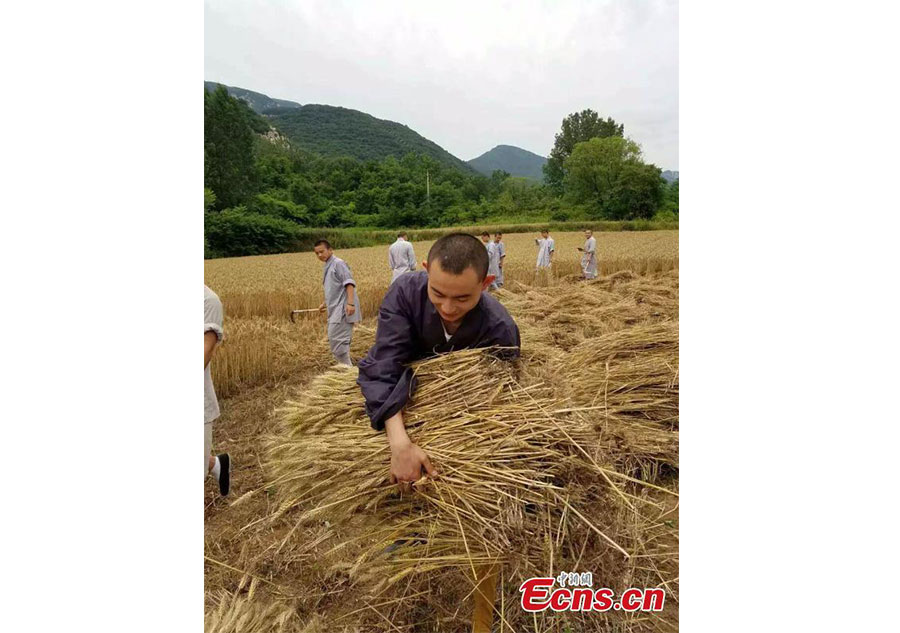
column 396, row 432
column 399, row 445
column 399, row 441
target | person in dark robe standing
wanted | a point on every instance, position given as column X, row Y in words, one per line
column 441, row 309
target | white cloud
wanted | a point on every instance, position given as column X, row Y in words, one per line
column 467, row 75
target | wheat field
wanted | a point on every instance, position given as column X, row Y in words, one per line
column 258, row 294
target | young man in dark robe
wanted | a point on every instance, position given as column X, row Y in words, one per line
column 426, row 313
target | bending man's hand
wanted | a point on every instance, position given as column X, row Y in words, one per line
column 407, row 459
column 407, row 463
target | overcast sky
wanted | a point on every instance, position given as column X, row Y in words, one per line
column 466, row 75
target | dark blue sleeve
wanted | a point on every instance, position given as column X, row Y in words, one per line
column 508, row 336
column 385, row 380
column 503, row 332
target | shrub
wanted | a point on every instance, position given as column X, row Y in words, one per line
column 560, row 215
column 235, row 231
column 665, row 215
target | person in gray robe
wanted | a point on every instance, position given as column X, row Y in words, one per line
column 401, row 257
column 589, row 256
column 501, row 253
column 341, row 301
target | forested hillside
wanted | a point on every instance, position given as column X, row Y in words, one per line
column 262, row 188
column 333, row 131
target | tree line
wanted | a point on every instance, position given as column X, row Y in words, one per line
column 260, row 191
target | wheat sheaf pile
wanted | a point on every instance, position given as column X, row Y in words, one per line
column 564, row 460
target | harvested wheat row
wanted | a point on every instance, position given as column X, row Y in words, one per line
column 564, row 316
column 632, row 372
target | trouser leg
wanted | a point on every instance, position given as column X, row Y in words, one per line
column 339, row 335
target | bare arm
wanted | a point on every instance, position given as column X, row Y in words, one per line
column 210, row 339
column 351, row 304
column 213, row 318
column 396, row 430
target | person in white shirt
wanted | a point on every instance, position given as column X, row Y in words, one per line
column 546, row 248
column 401, row 257
column 219, row 466
column 589, row 256
column 493, row 258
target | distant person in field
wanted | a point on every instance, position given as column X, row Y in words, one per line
column 220, row 465
column 401, row 257
column 435, row 311
column 589, row 256
column 546, row 248
column 501, row 253
column 341, row 301
column 493, row 258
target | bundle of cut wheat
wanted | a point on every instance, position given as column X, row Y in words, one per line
column 503, row 451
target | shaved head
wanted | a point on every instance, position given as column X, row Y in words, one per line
column 457, row 252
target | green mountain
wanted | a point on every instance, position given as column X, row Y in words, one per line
column 515, row 160
column 670, row 176
column 334, row 131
